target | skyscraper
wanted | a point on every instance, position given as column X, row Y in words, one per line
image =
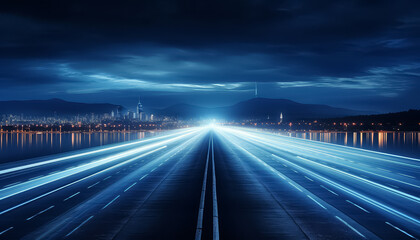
column 140, row 110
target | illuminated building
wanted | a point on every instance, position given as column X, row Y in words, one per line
column 140, row 111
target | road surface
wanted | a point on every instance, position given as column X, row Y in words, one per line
column 212, row 183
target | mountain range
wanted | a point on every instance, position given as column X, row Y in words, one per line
column 256, row 109
column 54, row 106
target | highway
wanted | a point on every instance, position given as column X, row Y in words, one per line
column 212, row 182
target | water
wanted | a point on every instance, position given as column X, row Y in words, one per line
column 17, row 146
column 400, row 143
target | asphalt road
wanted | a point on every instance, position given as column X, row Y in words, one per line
column 212, row 183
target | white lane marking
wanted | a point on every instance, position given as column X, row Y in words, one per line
column 382, row 169
column 85, row 167
column 279, row 174
column 199, row 228
column 153, row 169
column 285, row 165
column 405, row 175
column 378, row 185
column 93, row 184
column 29, row 218
column 295, row 186
column 77, row 181
column 130, row 187
column 354, row 204
column 316, row 202
column 309, row 178
column 68, row 234
column 331, row 191
column 348, row 225
column 12, row 184
column 184, row 133
column 355, row 193
column 215, row 211
column 4, row 231
column 107, row 178
column 295, row 171
column 399, row 229
column 143, row 176
column 71, row 196
column 160, row 164
column 111, row 202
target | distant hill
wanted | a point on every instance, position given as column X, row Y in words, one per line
column 411, row 117
column 259, row 108
column 54, row 106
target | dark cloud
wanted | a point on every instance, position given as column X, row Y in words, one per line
column 344, row 53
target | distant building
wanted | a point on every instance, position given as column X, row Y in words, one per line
column 140, row 111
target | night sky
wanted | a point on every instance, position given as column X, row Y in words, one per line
column 355, row 54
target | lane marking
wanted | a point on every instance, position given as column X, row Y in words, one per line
column 68, row 234
column 77, row 181
column 182, row 133
column 385, row 170
column 111, row 202
column 295, row 186
column 331, row 191
column 354, row 193
column 199, row 228
column 378, row 185
column 316, row 202
column 100, row 162
column 348, row 225
column 107, row 178
column 130, row 187
column 29, row 218
column 405, row 175
column 308, row 178
column 215, row 211
column 399, row 229
column 71, row 196
column 10, row 228
column 143, row 176
column 93, row 184
column 354, row 204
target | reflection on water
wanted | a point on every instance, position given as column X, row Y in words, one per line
column 15, row 146
column 402, row 143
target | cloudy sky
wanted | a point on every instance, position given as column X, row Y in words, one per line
column 356, row 54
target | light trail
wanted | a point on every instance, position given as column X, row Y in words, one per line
column 265, row 143
column 14, row 169
column 77, row 181
column 40, row 181
column 265, row 146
